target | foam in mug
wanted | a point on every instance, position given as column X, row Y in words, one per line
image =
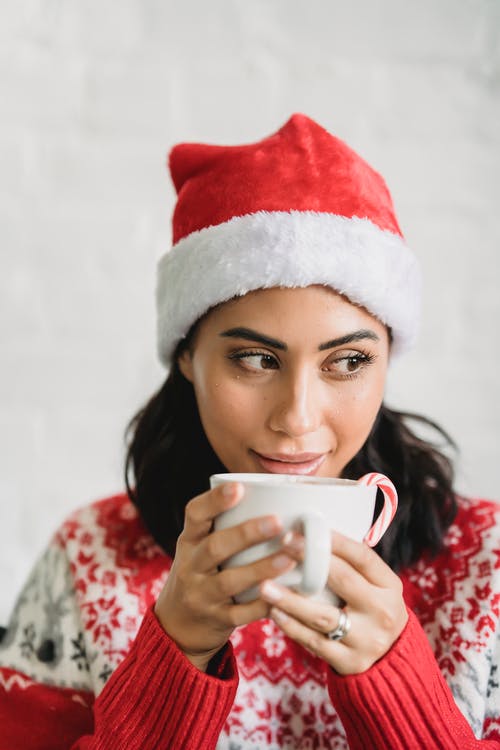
column 314, row 506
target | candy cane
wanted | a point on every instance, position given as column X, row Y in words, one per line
column 388, row 511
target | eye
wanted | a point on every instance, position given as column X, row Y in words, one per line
column 256, row 360
column 347, row 364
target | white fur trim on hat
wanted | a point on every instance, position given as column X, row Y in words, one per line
column 372, row 267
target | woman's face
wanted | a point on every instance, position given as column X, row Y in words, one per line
column 288, row 381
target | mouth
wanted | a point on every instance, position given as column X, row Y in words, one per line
column 304, row 464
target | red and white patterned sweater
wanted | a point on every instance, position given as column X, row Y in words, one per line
column 85, row 663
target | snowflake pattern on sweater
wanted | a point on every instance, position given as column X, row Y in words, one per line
column 80, row 611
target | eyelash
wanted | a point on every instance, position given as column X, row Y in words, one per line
column 239, row 356
column 364, row 358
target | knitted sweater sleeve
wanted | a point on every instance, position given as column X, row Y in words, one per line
column 403, row 702
column 154, row 698
column 157, row 698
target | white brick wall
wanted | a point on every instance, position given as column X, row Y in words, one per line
column 93, row 93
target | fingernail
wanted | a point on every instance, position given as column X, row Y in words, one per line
column 281, row 561
column 270, row 526
column 293, row 542
column 271, row 592
column 278, row 615
column 229, row 490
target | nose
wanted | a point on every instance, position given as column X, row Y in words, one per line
column 296, row 409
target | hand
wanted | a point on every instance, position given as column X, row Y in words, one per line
column 374, row 603
column 195, row 606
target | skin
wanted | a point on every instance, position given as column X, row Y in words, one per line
column 288, row 381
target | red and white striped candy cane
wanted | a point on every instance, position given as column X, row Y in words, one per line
column 388, row 511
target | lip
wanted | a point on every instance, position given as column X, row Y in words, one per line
column 304, row 464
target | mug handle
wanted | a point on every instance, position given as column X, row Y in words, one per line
column 317, row 553
column 389, row 509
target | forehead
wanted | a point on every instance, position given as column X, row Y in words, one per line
column 317, row 310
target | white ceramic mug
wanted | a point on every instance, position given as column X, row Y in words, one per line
column 315, row 506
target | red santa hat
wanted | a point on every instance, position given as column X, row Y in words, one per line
column 297, row 208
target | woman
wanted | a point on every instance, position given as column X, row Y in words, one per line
column 287, row 292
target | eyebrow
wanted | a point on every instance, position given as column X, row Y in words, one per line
column 364, row 333
column 249, row 335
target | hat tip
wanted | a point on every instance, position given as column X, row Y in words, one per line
column 299, row 117
column 300, row 122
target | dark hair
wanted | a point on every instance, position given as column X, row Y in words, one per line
column 171, row 460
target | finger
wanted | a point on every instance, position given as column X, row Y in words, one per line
column 201, row 510
column 218, row 546
column 363, row 594
column 234, row 581
column 294, row 545
column 353, row 576
column 344, row 580
column 319, row 616
column 242, row 614
column 343, row 657
column 335, row 653
column 358, row 554
column 350, row 586
column 363, row 559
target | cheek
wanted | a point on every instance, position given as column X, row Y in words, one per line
column 223, row 407
column 358, row 410
column 370, row 396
